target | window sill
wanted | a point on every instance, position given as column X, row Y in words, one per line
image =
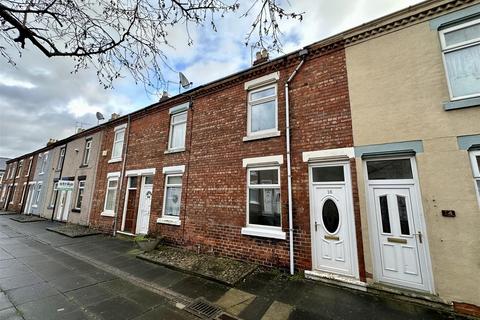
column 115, row 160
column 261, row 136
column 76, row 210
column 107, row 214
column 174, row 150
column 264, row 233
column 33, row 205
column 460, row 104
column 84, row 166
column 172, row 221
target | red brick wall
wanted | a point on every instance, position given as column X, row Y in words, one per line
column 17, row 204
column 214, row 184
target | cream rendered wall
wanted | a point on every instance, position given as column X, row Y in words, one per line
column 397, row 85
column 73, row 167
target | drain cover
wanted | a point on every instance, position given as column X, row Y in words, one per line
column 203, row 309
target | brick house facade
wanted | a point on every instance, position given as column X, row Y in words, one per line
column 214, row 182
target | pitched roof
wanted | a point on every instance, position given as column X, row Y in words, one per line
column 3, row 163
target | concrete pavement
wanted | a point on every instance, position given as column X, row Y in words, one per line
column 44, row 275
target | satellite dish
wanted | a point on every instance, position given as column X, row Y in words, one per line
column 184, row 81
column 99, row 116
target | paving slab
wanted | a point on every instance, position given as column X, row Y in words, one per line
column 10, row 314
column 117, row 308
column 278, row 311
column 24, row 218
column 234, row 301
column 19, row 281
column 31, row 293
column 71, row 282
column 91, row 295
column 54, row 307
column 74, row 231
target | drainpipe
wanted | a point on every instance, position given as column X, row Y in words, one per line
column 124, row 162
column 302, row 54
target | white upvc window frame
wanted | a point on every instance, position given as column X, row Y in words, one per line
column 267, row 132
column 175, row 124
column 13, row 166
column 7, row 174
column 12, row 191
column 61, row 158
column 24, row 188
column 476, row 171
column 87, row 151
column 111, row 177
column 116, row 140
column 30, row 160
column 38, row 191
column 44, row 163
column 172, row 185
column 81, row 186
column 51, row 204
column 459, row 46
column 4, row 190
column 19, row 168
column 258, row 229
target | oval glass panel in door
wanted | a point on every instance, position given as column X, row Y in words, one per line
column 330, row 216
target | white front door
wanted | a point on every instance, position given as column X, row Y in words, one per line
column 400, row 250
column 64, row 205
column 28, row 203
column 143, row 216
column 333, row 230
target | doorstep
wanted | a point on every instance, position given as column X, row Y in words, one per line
column 335, row 279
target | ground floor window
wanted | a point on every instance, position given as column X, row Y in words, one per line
column 5, row 187
column 38, row 192
column 53, row 196
column 81, row 190
column 263, row 197
column 173, row 195
column 23, row 193
column 475, row 159
column 12, row 193
column 111, row 195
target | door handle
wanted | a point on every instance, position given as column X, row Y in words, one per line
column 316, row 224
column 419, row 234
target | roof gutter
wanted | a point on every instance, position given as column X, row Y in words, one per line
column 303, row 53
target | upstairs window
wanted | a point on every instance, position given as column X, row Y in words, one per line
column 178, row 129
column 27, row 173
column 61, row 157
column 44, row 163
column 86, row 152
column 262, row 110
column 461, row 53
column 118, row 139
column 20, row 167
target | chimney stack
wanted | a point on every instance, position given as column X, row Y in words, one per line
column 260, row 57
column 114, row 116
column 164, row 96
column 51, row 141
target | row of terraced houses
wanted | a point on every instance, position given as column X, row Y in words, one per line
column 355, row 160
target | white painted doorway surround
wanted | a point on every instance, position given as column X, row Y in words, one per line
column 332, row 220
column 396, row 223
column 143, row 215
column 64, row 205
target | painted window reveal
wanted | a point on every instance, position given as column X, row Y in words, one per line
column 475, row 160
column 178, row 129
column 173, row 195
column 389, row 169
column 20, row 167
column 461, row 53
column 61, row 157
column 53, row 196
column 264, row 206
column 262, row 110
column 118, row 144
column 111, row 195
column 87, row 151
column 81, row 190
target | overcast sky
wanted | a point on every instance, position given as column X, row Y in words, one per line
column 41, row 99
